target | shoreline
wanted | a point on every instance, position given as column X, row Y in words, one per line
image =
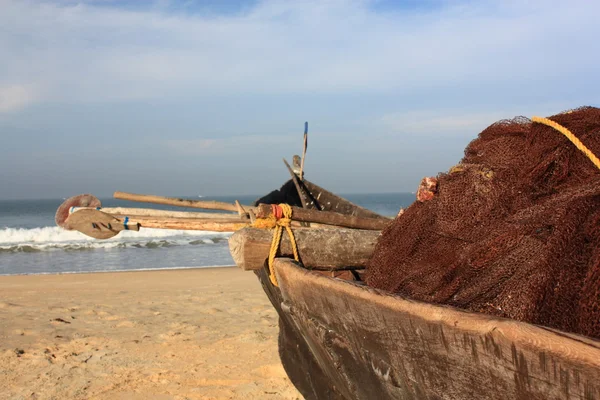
column 197, row 333
column 117, row 270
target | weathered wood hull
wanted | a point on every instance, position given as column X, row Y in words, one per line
column 325, row 200
column 340, row 340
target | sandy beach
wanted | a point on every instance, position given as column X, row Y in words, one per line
column 177, row 334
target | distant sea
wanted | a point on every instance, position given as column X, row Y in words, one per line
column 31, row 243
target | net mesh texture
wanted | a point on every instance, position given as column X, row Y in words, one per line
column 513, row 230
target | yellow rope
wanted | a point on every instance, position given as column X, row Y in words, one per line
column 569, row 136
column 278, row 224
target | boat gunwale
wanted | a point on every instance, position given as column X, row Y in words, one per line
column 535, row 337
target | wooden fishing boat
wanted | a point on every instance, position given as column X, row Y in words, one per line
column 340, row 339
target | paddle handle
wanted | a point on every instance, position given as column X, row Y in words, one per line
column 148, row 212
column 125, row 225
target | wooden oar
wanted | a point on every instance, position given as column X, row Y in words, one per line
column 172, row 201
column 100, row 225
column 148, row 212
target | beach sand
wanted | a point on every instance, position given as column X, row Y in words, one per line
column 177, row 334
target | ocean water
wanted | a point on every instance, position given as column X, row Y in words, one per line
column 31, row 243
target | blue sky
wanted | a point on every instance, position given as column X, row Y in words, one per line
column 201, row 97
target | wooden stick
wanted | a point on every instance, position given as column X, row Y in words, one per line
column 304, row 150
column 318, row 248
column 100, row 225
column 252, row 216
column 172, row 201
column 301, row 193
column 148, row 212
column 241, row 211
column 191, row 224
column 327, row 217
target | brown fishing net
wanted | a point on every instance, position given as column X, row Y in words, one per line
column 513, row 230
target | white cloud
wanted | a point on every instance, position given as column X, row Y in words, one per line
column 460, row 122
column 441, row 122
column 16, row 97
column 226, row 146
column 84, row 52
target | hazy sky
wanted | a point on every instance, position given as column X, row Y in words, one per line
column 206, row 97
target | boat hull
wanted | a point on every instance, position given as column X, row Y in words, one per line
column 343, row 340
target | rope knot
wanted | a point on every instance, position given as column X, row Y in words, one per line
column 281, row 218
column 282, row 214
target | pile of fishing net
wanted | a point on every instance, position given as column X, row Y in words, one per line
column 513, row 230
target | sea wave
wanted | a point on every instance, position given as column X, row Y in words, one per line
column 20, row 240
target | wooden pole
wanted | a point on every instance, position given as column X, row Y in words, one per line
column 172, row 201
column 301, row 193
column 318, row 248
column 148, row 212
column 304, row 150
column 191, row 224
column 241, row 211
column 327, row 217
column 101, row 225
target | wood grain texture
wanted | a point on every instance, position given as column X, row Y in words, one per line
column 307, row 202
column 172, row 201
column 191, row 224
column 327, row 201
column 327, row 217
column 148, row 212
column 98, row 225
column 83, row 221
column 318, row 248
column 376, row 345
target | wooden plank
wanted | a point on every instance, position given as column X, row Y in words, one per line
column 318, row 248
column 172, row 201
column 372, row 344
column 327, row 217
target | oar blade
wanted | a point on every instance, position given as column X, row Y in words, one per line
column 97, row 224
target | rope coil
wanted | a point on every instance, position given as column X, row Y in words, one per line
column 281, row 218
column 574, row 139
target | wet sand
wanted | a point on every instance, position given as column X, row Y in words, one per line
column 178, row 334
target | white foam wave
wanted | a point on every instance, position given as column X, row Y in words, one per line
column 55, row 238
